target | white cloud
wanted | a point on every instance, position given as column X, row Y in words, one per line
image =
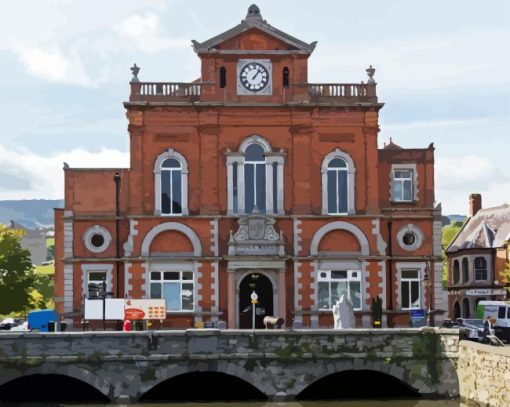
column 52, row 64
column 457, row 178
column 45, row 173
column 145, row 34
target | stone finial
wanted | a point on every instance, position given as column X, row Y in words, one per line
column 135, row 69
column 253, row 13
column 66, row 166
column 370, row 72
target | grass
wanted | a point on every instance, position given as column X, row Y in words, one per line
column 45, row 270
column 50, row 241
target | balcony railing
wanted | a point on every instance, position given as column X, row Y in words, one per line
column 209, row 92
column 165, row 91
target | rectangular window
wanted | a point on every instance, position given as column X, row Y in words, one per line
column 501, row 312
column 234, row 188
column 176, row 287
column 410, row 289
column 335, row 283
column 403, row 188
column 275, row 188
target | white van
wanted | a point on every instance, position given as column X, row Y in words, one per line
column 500, row 311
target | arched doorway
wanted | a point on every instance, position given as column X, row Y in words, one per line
column 465, row 308
column 262, row 285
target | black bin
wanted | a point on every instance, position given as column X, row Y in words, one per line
column 51, row 326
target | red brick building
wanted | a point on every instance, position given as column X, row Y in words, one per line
column 252, row 178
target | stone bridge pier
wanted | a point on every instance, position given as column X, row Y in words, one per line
column 123, row 366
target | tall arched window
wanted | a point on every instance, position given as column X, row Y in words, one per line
column 480, row 268
column 255, row 178
column 171, row 184
column 337, row 187
column 171, row 187
column 456, row 272
column 338, row 184
column 465, row 270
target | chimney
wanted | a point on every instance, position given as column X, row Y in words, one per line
column 475, row 204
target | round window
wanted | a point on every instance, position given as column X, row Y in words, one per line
column 409, row 239
column 97, row 240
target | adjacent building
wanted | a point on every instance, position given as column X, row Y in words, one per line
column 33, row 240
column 477, row 256
column 253, row 179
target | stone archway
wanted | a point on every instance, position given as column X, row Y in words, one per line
column 262, row 285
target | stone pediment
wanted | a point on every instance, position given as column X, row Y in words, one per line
column 256, row 236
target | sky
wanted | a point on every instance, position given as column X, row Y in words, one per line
column 441, row 68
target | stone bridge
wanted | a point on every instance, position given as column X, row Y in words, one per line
column 281, row 364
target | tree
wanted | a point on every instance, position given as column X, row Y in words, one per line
column 17, row 275
column 505, row 278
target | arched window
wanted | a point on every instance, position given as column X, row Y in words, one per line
column 171, row 184
column 456, row 272
column 465, row 308
column 465, row 270
column 338, row 184
column 255, row 178
column 480, row 268
column 223, row 77
column 285, row 77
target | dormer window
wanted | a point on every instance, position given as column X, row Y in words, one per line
column 223, row 77
column 285, row 77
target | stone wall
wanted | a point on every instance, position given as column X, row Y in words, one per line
column 281, row 364
column 484, row 374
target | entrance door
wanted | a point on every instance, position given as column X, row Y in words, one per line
column 264, row 288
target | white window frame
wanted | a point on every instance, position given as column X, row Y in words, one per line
column 420, row 268
column 328, row 279
column 351, row 171
column 414, row 182
column 271, row 157
column 170, row 153
column 174, row 266
column 86, row 269
column 180, row 281
column 486, row 269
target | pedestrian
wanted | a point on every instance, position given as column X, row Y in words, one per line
column 487, row 328
column 127, row 325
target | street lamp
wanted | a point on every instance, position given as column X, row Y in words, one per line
column 427, row 282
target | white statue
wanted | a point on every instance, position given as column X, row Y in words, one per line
column 343, row 313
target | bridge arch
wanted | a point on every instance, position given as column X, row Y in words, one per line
column 213, row 378
column 332, row 371
column 71, row 384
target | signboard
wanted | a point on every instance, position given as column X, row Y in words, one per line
column 417, row 313
column 418, row 318
column 486, row 291
column 120, row 309
column 114, row 309
column 145, row 309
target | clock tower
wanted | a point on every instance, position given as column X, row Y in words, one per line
column 253, row 62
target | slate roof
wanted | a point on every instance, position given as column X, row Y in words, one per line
column 488, row 229
column 254, row 20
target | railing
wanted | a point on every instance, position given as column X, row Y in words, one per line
column 362, row 92
column 297, row 93
column 165, row 91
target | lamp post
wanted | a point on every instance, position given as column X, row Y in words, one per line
column 427, row 282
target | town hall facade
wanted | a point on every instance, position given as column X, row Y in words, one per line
column 253, row 179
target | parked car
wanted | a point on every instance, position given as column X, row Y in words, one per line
column 471, row 329
column 20, row 328
column 9, row 323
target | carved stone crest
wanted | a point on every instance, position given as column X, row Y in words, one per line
column 256, row 236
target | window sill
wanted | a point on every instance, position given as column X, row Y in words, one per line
column 412, row 202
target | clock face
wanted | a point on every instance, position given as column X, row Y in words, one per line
column 254, row 76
